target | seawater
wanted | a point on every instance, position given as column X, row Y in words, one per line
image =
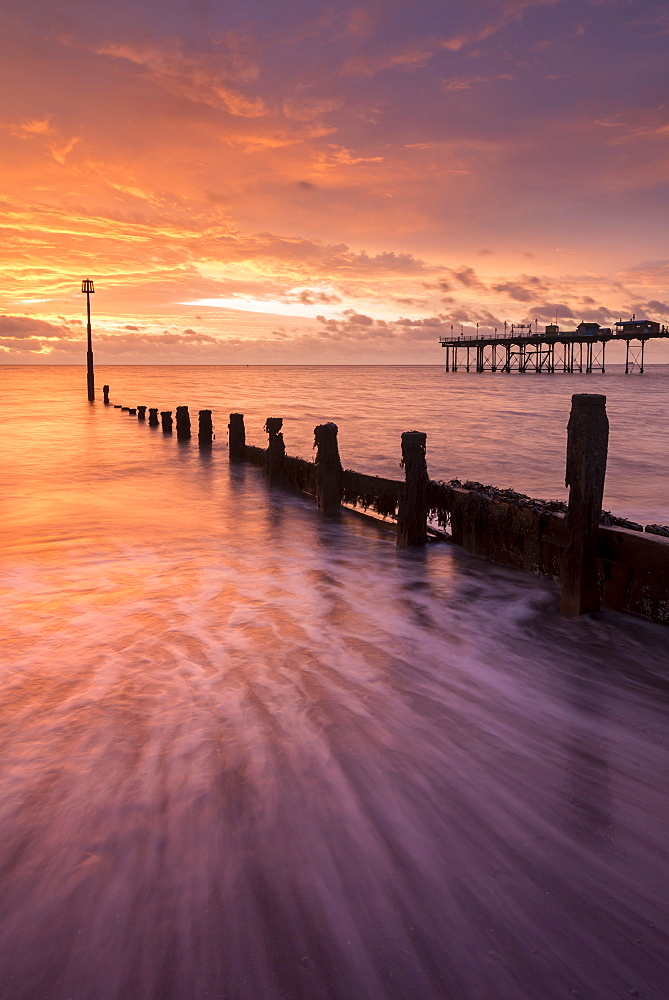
column 253, row 752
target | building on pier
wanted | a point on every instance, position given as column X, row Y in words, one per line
column 518, row 349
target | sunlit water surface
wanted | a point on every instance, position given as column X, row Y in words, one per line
column 252, row 753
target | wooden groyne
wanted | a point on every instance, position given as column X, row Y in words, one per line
column 596, row 558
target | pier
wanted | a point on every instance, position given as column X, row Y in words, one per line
column 518, row 349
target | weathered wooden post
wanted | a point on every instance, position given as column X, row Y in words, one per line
column 587, row 444
column 153, row 417
column 276, row 448
column 105, row 395
column 183, row 423
column 205, row 429
column 328, row 466
column 132, row 410
column 412, row 514
column 166, row 420
column 237, row 437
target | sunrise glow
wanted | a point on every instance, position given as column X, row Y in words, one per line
column 407, row 167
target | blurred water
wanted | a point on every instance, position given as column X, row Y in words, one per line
column 251, row 752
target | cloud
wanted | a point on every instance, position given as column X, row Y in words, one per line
column 524, row 289
column 465, row 276
column 18, row 328
column 201, row 77
column 654, row 307
column 466, row 83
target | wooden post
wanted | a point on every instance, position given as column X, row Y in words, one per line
column 183, row 423
column 166, row 420
column 587, row 444
column 276, row 449
column 237, row 437
column 132, row 411
column 205, row 432
column 105, row 395
column 141, row 413
column 412, row 515
column 153, row 417
column 328, row 466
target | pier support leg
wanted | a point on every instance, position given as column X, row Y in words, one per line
column 237, row 437
column 141, row 413
column 166, row 421
column 276, row 448
column 205, row 429
column 328, row 466
column 105, row 395
column 153, row 417
column 587, row 444
column 412, row 514
column 183, row 423
column 643, row 345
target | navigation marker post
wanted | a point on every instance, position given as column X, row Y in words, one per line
column 87, row 290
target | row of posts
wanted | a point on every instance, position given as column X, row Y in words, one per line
column 587, row 447
column 205, row 433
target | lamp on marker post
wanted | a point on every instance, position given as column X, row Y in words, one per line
column 87, row 289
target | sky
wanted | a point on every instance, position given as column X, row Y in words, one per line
column 327, row 182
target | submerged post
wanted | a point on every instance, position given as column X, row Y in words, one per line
column 276, row 448
column 105, row 395
column 328, row 466
column 153, row 417
column 237, row 437
column 183, row 423
column 587, row 444
column 141, row 413
column 88, row 290
column 166, row 420
column 205, row 429
column 412, row 514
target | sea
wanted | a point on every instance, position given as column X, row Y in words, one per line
column 253, row 752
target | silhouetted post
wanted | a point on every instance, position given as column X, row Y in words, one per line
column 87, row 290
column 153, row 417
column 183, row 423
column 328, row 466
column 237, row 437
column 141, row 413
column 587, row 444
column 105, row 395
column 166, row 420
column 412, row 514
column 205, row 429
column 276, row 449
column 132, row 410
